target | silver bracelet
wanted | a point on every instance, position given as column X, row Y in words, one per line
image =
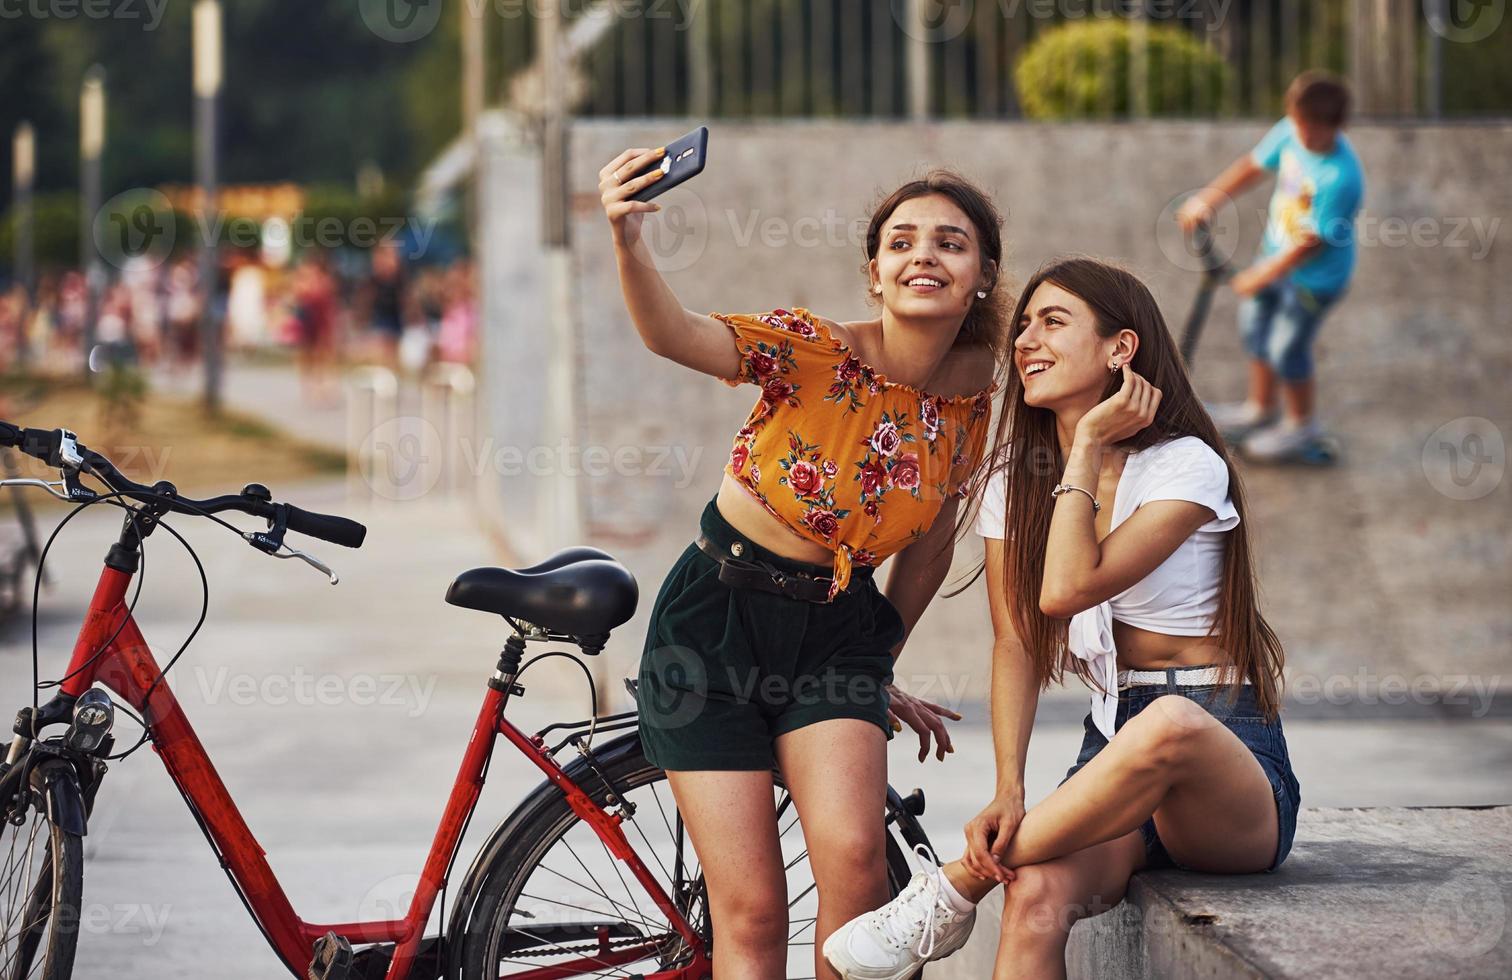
column 1061, row 488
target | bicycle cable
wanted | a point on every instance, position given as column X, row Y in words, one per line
column 41, row 685
column 592, row 688
column 113, row 499
column 183, row 647
column 37, row 595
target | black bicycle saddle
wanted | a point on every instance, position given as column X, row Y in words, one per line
column 578, row 591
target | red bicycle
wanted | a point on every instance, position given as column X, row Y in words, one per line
column 591, row 876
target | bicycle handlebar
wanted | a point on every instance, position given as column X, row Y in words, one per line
column 326, row 527
column 58, row 448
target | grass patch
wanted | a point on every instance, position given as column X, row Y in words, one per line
column 168, row 438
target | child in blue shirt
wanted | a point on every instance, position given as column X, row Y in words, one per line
column 1305, row 262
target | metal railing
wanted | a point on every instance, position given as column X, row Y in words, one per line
column 895, row 59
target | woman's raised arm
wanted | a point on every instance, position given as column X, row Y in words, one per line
column 666, row 327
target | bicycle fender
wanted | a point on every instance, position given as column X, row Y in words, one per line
column 65, row 800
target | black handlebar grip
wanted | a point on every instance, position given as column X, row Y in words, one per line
column 326, row 527
column 10, row 435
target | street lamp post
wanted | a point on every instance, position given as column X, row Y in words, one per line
column 91, row 148
column 207, row 85
column 23, row 171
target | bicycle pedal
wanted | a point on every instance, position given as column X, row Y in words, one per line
column 333, row 959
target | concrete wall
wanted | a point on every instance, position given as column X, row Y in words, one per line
column 1374, row 565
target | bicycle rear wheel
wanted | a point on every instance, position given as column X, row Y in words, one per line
column 551, row 894
column 41, row 879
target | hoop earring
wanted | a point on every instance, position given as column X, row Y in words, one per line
column 981, row 294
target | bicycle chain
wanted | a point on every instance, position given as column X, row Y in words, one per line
column 586, row 948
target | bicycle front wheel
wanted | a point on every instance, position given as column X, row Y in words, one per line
column 552, row 897
column 42, row 878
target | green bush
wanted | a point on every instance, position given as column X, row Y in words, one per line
column 55, row 231
column 1081, row 69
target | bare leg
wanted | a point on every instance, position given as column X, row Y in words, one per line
column 1298, row 398
column 733, row 827
column 1213, row 806
column 1177, row 762
column 1045, row 900
column 1262, row 384
column 837, row 773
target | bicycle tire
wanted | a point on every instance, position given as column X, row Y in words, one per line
column 531, row 832
column 49, row 916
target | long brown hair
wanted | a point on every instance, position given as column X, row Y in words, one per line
column 1119, row 301
column 986, row 323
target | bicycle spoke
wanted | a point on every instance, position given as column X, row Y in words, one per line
column 801, row 895
column 663, row 811
column 614, row 863
column 564, row 952
column 654, row 856
column 602, row 891
column 26, row 908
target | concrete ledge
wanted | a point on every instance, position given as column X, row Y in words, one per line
column 1393, row 892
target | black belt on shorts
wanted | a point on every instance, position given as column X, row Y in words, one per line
column 764, row 576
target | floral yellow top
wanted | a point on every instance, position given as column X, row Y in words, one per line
column 839, row 454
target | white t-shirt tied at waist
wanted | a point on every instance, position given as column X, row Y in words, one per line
column 1180, row 597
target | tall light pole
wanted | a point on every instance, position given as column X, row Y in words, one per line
column 1433, row 73
column 475, row 18
column 91, row 148
column 23, row 171
column 207, row 85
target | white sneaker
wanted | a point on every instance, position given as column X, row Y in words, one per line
column 892, row 942
column 1237, row 420
column 1281, row 441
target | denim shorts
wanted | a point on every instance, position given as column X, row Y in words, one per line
column 1264, row 739
column 1278, row 324
column 725, row 671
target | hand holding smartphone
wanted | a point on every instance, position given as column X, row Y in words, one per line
column 683, row 160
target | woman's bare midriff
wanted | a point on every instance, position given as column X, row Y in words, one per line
column 1140, row 649
column 747, row 516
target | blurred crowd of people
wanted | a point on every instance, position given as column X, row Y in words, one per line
column 327, row 309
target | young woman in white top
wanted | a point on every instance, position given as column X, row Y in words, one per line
column 1115, row 546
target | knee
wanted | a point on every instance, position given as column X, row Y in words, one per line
column 1038, row 902
column 1163, row 732
column 848, row 858
column 755, row 919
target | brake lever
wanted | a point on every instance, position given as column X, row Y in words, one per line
column 271, row 542
column 262, row 542
column 49, row 485
column 310, row 560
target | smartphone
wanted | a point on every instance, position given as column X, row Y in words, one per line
column 683, row 160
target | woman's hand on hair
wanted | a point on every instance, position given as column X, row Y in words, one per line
column 924, row 718
column 616, row 187
column 1125, row 412
column 987, row 837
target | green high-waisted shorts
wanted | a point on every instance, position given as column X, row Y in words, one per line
column 725, row 671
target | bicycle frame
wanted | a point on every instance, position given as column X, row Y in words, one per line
column 127, row 667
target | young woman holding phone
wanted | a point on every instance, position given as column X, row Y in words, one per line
column 770, row 643
column 1116, row 548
